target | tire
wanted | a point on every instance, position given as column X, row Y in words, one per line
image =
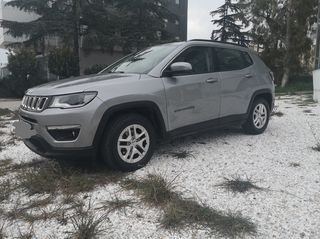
column 130, row 153
column 258, row 118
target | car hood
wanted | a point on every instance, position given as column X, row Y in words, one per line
column 80, row 84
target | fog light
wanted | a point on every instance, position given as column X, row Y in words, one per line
column 64, row 133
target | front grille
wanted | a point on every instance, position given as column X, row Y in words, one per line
column 34, row 103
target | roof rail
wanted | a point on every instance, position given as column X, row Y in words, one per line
column 229, row 43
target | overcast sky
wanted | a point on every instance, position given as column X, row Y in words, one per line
column 199, row 25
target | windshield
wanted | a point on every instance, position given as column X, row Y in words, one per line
column 143, row 61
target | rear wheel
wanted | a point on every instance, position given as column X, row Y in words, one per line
column 259, row 116
column 128, row 143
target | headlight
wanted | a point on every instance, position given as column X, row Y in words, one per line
column 72, row 100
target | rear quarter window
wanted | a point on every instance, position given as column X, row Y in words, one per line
column 232, row 60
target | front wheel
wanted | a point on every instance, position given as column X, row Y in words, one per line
column 128, row 143
column 258, row 118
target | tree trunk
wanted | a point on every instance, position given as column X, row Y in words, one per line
column 317, row 50
column 76, row 35
column 286, row 65
column 224, row 32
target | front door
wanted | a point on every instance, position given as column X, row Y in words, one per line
column 193, row 97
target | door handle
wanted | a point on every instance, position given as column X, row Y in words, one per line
column 248, row 76
column 212, row 81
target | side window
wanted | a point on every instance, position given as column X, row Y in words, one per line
column 198, row 57
column 232, row 60
column 247, row 59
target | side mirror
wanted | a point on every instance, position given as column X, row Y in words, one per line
column 181, row 67
column 178, row 68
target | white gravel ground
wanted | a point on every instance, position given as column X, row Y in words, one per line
column 289, row 207
column 11, row 104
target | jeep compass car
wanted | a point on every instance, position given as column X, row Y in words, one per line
column 163, row 91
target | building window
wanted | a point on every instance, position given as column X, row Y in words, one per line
column 177, row 22
column 177, row 2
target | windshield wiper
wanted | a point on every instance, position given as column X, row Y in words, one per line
column 121, row 72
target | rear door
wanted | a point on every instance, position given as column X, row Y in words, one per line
column 237, row 80
column 193, row 97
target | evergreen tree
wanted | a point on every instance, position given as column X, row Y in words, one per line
column 143, row 22
column 132, row 24
column 51, row 21
column 67, row 19
column 230, row 22
column 280, row 32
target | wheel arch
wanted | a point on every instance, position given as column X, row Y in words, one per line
column 265, row 94
column 148, row 109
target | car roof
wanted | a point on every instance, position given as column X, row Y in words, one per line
column 217, row 44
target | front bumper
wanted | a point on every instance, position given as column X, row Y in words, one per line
column 48, row 125
column 39, row 145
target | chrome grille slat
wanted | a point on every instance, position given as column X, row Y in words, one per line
column 34, row 103
column 31, row 103
column 38, row 103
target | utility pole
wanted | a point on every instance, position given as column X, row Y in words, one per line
column 317, row 50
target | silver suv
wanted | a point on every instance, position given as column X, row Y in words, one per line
column 163, row 91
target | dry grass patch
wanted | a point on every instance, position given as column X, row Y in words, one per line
column 2, row 234
column 41, row 178
column 4, row 165
column 6, row 189
column 277, row 113
column 32, row 216
column 185, row 213
column 306, row 102
column 26, row 235
column 33, row 211
column 180, row 213
column 154, row 189
column 25, row 165
column 182, row 154
column 317, row 147
column 238, row 185
column 295, row 165
column 52, row 176
column 5, row 162
column 5, row 112
column 316, row 138
column 116, row 204
column 2, row 145
column 86, row 224
column 307, row 111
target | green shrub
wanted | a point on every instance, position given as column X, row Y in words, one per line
column 25, row 72
column 62, row 62
column 302, row 82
